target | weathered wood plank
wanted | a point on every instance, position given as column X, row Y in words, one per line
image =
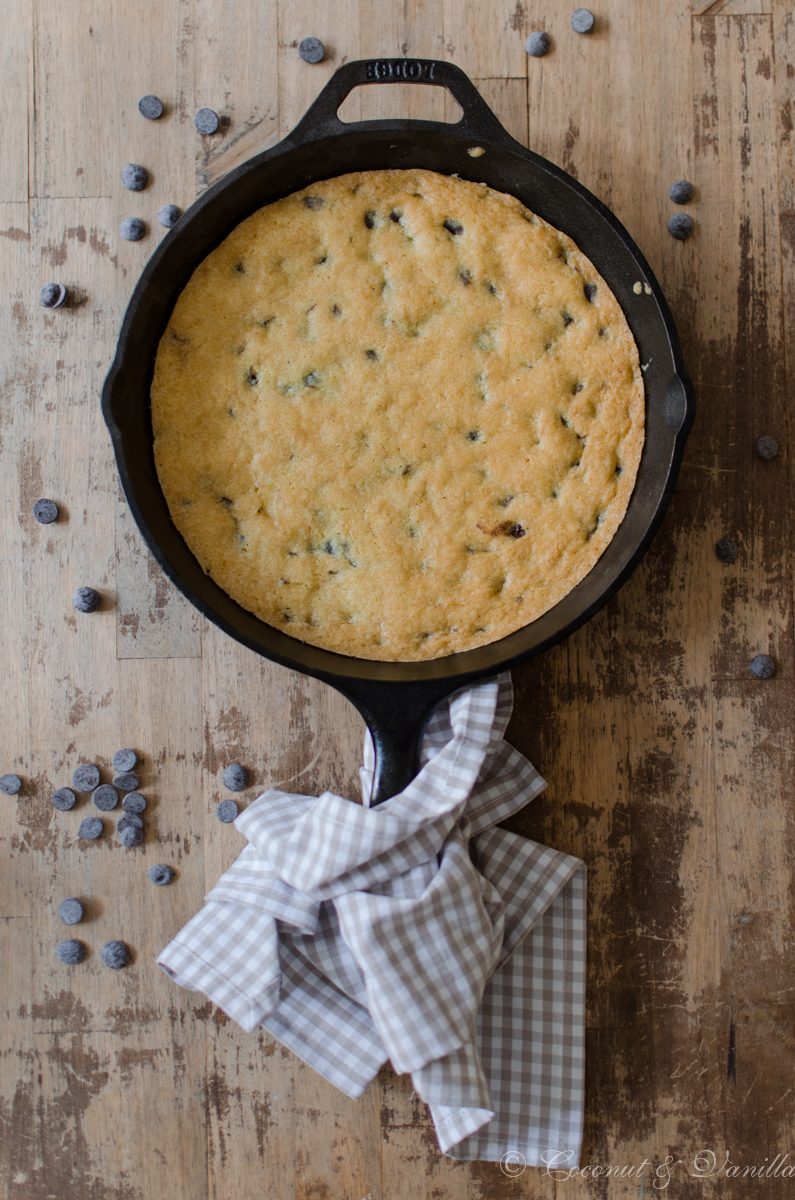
column 295, row 733
column 88, row 79
column 17, row 75
column 153, row 618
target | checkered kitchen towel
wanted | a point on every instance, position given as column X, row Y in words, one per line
column 415, row 931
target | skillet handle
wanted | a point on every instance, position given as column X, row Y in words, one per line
column 477, row 121
column 396, row 715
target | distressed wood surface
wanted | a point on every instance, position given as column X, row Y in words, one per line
column 670, row 768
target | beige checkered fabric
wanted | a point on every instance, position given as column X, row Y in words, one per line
column 417, row 932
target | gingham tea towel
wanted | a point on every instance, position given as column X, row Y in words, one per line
column 418, row 932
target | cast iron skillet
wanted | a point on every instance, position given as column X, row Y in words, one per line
column 396, row 699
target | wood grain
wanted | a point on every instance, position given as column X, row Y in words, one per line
column 670, row 769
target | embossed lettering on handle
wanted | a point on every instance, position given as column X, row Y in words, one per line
column 382, row 70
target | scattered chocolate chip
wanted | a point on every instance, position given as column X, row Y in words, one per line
column 726, row 550
column 126, row 782
column 86, row 600
column 70, row 951
column 235, row 776
column 206, row 121
column 582, row 20
column 124, row 760
column 370, row 354
column 52, row 295
column 395, row 217
column 516, row 531
column 168, row 215
column 314, row 202
column 767, row 448
column 161, row 874
column 763, row 666
column 369, row 220
column 85, row 777
column 106, row 797
column 453, row 227
column 311, row 50
column 590, row 291
column 681, row 192
column 680, row 226
column 90, row 828
column 226, row 811
column 537, row 44
column 150, row 107
column 130, row 837
column 129, row 821
column 115, row 955
column 64, row 799
column 134, row 177
column 134, row 802
column 10, row 784
column 71, row 911
column 132, row 229
column 45, row 511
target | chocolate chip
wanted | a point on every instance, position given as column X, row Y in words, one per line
column 71, row 911
column 129, row 821
column 516, row 531
column 235, row 776
column 52, row 295
column 453, row 227
column 132, row 229
column 726, row 550
column 537, row 44
column 91, row 828
column 106, row 797
column 168, row 215
column 763, row 666
column 64, row 799
column 582, row 20
column 115, row 955
column 85, row 777
column 206, row 121
column 395, row 217
column 161, row 874
column 681, row 192
column 124, row 760
column 134, row 802
column 767, row 448
column 314, row 202
column 311, row 50
column 226, row 811
column 130, row 837
column 370, row 354
column 126, row 782
column 10, row 784
column 134, row 177
column 680, row 226
column 150, row 107
column 86, row 600
column 590, row 291
column 70, row 951
column 45, row 511
column 369, row 220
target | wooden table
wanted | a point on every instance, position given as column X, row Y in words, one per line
column 670, row 767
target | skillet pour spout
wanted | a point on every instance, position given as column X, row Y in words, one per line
column 396, row 699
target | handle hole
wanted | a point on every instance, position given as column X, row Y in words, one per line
column 387, row 101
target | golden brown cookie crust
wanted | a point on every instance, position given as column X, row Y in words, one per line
column 397, row 415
